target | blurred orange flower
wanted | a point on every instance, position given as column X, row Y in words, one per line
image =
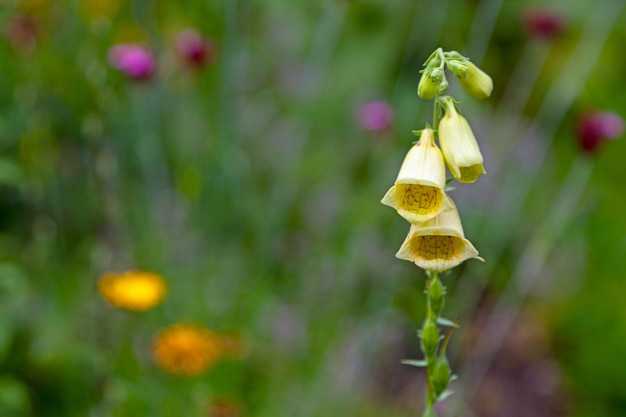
column 132, row 290
column 186, row 349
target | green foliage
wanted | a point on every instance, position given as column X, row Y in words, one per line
column 249, row 186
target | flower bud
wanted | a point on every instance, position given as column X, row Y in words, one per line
column 427, row 87
column 22, row 31
column 475, row 82
column 543, row 23
column 435, row 296
column 438, row 244
column 459, row 145
column 595, row 128
column 418, row 193
column 429, row 335
column 457, row 68
column 443, row 86
column 440, row 375
column 194, row 48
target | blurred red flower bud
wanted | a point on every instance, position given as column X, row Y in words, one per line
column 134, row 60
column 22, row 31
column 374, row 116
column 195, row 48
column 543, row 23
column 225, row 408
column 595, row 128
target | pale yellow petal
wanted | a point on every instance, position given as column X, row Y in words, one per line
column 418, row 193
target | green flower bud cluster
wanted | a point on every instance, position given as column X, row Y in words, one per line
column 433, row 81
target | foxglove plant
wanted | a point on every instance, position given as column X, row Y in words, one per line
column 436, row 242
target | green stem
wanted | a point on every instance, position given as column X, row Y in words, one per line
column 436, row 109
column 430, row 359
column 436, row 112
column 434, row 352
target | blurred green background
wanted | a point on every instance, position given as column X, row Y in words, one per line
column 250, row 184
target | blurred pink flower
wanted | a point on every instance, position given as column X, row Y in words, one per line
column 135, row 60
column 543, row 23
column 195, row 48
column 595, row 128
column 375, row 116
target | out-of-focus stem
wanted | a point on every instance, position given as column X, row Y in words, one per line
column 435, row 296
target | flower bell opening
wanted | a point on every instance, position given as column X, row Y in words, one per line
column 436, row 253
column 415, row 202
column 439, row 244
column 418, row 193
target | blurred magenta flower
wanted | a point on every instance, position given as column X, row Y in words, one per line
column 595, row 128
column 543, row 23
column 195, row 48
column 134, row 60
column 375, row 116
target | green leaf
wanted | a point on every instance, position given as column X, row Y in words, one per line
column 421, row 363
column 445, row 395
column 446, row 322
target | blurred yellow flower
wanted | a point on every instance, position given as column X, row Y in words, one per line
column 418, row 193
column 132, row 290
column 439, row 244
column 186, row 350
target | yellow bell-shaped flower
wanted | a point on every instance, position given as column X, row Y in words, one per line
column 439, row 244
column 419, row 191
column 459, row 145
column 476, row 82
